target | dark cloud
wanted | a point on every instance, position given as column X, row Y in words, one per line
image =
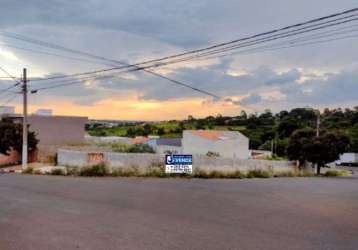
column 133, row 30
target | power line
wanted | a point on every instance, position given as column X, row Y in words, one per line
column 288, row 44
column 251, row 43
column 266, row 39
column 17, row 83
column 259, row 41
column 117, row 62
column 323, row 34
column 253, row 36
column 16, row 36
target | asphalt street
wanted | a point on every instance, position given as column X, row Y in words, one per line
column 45, row 212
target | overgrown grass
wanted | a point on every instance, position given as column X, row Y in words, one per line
column 57, row 171
column 120, row 147
column 258, row 173
column 28, row 170
column 157, row 169
column 131, row 171
column 99, row 170
column 336, row 173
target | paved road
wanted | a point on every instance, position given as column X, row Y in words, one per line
column 39, row 212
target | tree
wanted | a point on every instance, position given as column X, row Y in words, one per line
column 353, row 134
column 304, row 146
column 287, row 126
column 11, row 138
column 161, row 131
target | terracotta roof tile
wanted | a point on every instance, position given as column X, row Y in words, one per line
column 140, row 140
column 208, row 134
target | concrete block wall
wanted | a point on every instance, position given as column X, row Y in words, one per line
column 118, row 160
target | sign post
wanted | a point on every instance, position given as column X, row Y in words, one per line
column 179, row 164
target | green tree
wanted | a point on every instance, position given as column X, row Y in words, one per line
column 304, row 146
column 161, row 131
column 11, row 138
column 287, row 126
column 353, row 134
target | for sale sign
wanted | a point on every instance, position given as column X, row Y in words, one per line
column 178, row 164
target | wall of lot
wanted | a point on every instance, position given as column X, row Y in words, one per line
column 118, row 160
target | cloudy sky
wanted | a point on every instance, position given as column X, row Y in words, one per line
column 320, row 75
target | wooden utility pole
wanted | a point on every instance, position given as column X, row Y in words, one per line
column 24, row 122
column 318, row 123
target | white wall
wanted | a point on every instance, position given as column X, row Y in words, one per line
column 118, row 160
column 230, row 148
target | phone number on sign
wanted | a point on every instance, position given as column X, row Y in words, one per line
column 179, row 169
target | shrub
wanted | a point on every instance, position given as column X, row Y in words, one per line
column 305, row 173
column 99, row 170
column 199, row 173
column 57, row 171
column 120, row 147
column 285, row 174
column 236, row 175
column 37, row 172
column 141, row 148
column 126, row 172
column 72, row 171
column 258, row 173
column 28, row 170
column 156, row 169
column 336, row 173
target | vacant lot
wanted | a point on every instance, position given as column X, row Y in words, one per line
column 43, row 212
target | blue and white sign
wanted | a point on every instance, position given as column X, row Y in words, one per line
column 179, row 164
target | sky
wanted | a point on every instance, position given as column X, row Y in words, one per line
column 319, row 76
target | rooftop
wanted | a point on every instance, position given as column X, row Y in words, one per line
column 216, row 135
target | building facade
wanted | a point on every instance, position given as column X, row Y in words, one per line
column 227, row 144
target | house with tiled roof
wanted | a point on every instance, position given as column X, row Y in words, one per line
column 227, row 144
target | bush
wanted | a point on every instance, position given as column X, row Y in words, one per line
column 199, row 173
column 120, row 147
column 259, row 174
column 98, row 170
column 305, row 173
column 72, row 171
column 141, row 148
column 216, row 174
column 236, row 175
column 57, row 171
column 336, row 173
column 28, row 170
column 156, row 169
column 131, row 171
column 286, row 174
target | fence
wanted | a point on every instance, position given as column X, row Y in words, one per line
column 118, row 160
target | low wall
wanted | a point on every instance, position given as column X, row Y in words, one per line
column 118, row 160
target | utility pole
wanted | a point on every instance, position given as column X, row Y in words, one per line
column 318, row 122
column 24, row 122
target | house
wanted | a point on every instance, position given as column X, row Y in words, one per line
column 228, row 144
column 53, row 131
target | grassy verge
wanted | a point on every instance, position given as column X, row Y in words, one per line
column 157, row 170
column 336, row 173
